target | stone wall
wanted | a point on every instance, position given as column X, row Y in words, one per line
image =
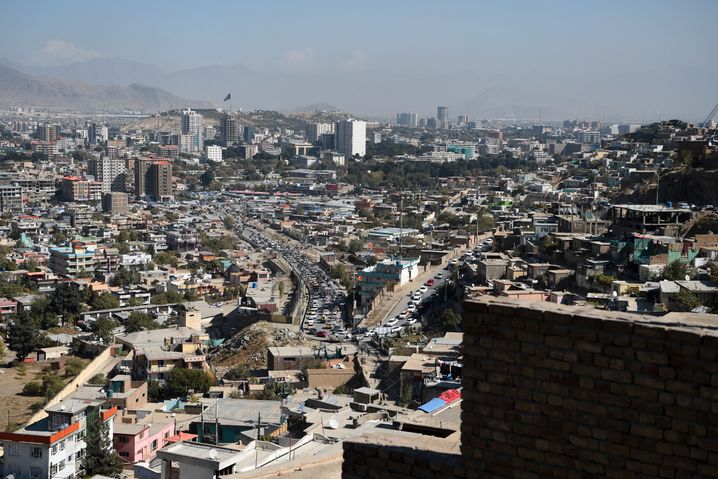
column 553, row 391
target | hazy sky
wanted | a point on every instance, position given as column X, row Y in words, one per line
column 435, row 35
column 550, row 40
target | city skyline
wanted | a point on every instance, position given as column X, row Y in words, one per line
column 571, row 60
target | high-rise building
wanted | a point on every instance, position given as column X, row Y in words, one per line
column 407, row 119
column 48, row 132
column 431, row 123
column 153, row 179
column 192, row 140
column 248, row 133
column 316, row 130
column 111, row 172
column 442, row 116
column 590, row 137
column 351, row 137
column 76, row 189
column 231, row 129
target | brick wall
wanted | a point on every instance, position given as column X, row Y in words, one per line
column 383, row 456
column 553, row 391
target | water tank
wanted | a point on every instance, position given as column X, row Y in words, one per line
column 669, row 204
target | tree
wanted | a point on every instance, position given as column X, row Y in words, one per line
column 104, row 301
column 98, row 380
column 33, row 388
column 686, row 300
column 24, row 335
column 237, row 373
column 714, row 272
column 67, row 301
column 180, row 381
column 167, row 297
column 140, row 322
column 103, row 327
column 450, row 320
column 676, row 271
column 207, row 178
column 125, row 277
column 73, row 366
column 100, row 458
column 52, row 384
column 165, row 257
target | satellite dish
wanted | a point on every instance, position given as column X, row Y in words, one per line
column 333, row 424
column 688, row 277
column 213, row 454
column 615, row 294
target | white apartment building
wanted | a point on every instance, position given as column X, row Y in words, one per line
column 191, row 139
column 110, row 172
column 316, row 130
column 351, row 137
column 214, row 153
column 53, row 447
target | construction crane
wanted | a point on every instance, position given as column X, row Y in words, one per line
column 710, row 116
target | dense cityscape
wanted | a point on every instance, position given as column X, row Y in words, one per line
column 197, row 289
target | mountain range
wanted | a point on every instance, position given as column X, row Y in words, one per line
column 372, row 93
column 18, row 89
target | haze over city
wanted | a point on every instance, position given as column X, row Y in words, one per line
column 635, row 61
column 358, row 240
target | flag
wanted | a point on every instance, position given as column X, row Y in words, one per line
column 228, row 97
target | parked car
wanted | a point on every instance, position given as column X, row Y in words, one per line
column 429, row 282
column 322, row 334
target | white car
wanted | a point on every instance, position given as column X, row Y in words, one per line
column 392, row 322
column 411, row 307
column 424, row 289
column 396, row 329
column 411, row 321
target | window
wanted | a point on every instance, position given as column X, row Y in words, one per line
column 61, row 466
column 36, row 452
column 35, row 472
column 53, row 469
column 123, row 439
column 167, row 434
column 62, row 445
column 154, row 444
column 124, row 454
column 54, row 450
column 13, row 449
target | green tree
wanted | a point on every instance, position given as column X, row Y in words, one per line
column 67, row 301
column 180, row 381
column 138, row 321
column 98, row 380
column 154, row 391
column 33, row 388
column 103, row 327
column 24, row 335
column 168, row 297
column 125, row 277
column 165, row 257
column 450, row 320
column 676, row 271
column 104, row 301
column 100, row 458
column 714, row 272
column 52, row 384
column 73, row 366
column 686, row 300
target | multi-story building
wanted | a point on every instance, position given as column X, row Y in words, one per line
column 78, row 257
column 407, row 119
column 115, row 202
column 442, row 116
column 140, row 434
column 10, row 198
column 54, row 447
column 153, row 178
column 192, row 130
column 80, row 215
column 232, row 130
column 108, row 171
column 214, row 153
column 351, row 137
column 48, row 132
column 371, row 280
column 157, row 352
column 75, row 188
column 316, row 130
column 184, row 241
column 590, row 137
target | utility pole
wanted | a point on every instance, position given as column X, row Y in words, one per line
column 401, row 226
column 658, row 182
column 216, row 422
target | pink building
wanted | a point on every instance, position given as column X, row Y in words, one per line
column 138, row 435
